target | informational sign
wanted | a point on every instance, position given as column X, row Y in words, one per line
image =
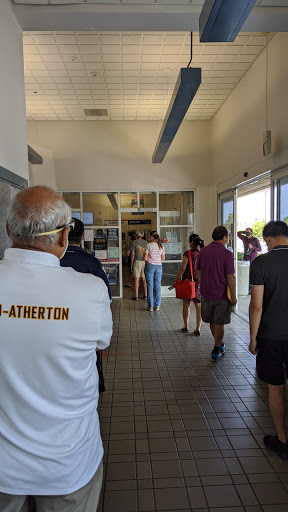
column 140, row 221
column 173, row 213
column 110, row 222
column 100, row 240
column 101, row 255
column 112, row 233
column 171, row 236
column 174, row 249
column 88, row 235
column 113, row 253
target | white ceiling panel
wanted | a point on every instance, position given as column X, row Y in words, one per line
column 262, row 3
column 137, row 72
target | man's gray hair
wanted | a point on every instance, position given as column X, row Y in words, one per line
column 140, row 234
column 28, row 218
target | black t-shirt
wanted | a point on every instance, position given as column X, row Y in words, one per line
column 81, row 261
column 271, row 270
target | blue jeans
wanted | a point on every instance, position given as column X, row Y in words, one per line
column 153, row 274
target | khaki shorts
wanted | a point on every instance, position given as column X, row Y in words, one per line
column 138, row 268
column 84, row 500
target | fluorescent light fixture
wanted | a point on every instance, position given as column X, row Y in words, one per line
column 221, row 20
column 185, row 89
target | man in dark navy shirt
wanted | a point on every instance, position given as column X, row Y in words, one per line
column 79, row 259
column 269, row 327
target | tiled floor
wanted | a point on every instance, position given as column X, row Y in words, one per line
column 181, row 432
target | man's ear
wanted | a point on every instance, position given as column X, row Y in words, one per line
column 7, row 229
column 64, row 237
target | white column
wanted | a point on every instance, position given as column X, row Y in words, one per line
column 13, row 138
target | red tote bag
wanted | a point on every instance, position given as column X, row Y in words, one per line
column 186, row 289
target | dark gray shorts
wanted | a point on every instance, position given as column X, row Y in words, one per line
column 216, row 311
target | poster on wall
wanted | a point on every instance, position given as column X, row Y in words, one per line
column 88, row 235
column 112, row 233
column 100, row 240
column 101, row 255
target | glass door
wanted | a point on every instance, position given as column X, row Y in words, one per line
column 138, row 213
column 176, row 224
column 227, row 215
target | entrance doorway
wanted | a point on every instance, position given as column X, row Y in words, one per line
column 108, row 217
column 131, row 223
column 253, row 211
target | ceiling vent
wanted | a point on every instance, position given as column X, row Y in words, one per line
column 95, row 112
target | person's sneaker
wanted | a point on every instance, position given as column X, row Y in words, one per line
column 215, row 355
column 145, row 297
column 184, row 329
column 273, row 444
column 197, row 333
column 134, row 298
column 149, row 309
column 156, row 308
column 222, row 348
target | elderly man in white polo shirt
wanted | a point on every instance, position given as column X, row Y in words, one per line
column 51, row 321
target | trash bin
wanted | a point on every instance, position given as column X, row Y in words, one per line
column 243, row 269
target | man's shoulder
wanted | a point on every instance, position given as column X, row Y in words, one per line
column 81, row 280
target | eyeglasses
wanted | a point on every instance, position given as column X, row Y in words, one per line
column 71, row 225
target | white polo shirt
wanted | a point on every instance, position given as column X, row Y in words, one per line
column 51, row 321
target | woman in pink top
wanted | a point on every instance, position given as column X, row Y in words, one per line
column 154, row 254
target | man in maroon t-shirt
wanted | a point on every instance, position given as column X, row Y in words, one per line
column 216, row 271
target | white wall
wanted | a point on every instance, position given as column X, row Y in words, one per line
column 237, row 128
column 117, row 155
column 13, row 140
column 43, row 174
column 112, row 155
column 91, row 155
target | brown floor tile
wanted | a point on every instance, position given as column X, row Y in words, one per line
column 223, row 496
column 181, row 433
column 171, row 499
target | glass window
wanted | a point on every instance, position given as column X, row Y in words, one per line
column 148, row 200
column 100, row 209
column 176, row 208
column 73, row 199
column 128, row 200
column 227, row 218
column 112, row 271
column 175, row 241
column 284, row 200
column 169, row 273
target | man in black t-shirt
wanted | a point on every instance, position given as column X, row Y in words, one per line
column 268, row 313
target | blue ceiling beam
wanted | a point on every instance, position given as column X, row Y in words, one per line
column 221, row 20
column 185, row 89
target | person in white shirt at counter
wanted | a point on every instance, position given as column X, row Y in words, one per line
column 51, row 321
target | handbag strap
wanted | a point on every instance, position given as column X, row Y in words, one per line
column 190, row 263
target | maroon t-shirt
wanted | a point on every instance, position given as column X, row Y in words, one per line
column 215, row 263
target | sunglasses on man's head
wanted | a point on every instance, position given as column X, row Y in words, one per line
column 71, row 225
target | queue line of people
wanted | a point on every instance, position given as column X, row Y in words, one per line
column 48, row 418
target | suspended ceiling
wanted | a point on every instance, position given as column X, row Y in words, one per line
column 272, row 3
column 131, row 74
